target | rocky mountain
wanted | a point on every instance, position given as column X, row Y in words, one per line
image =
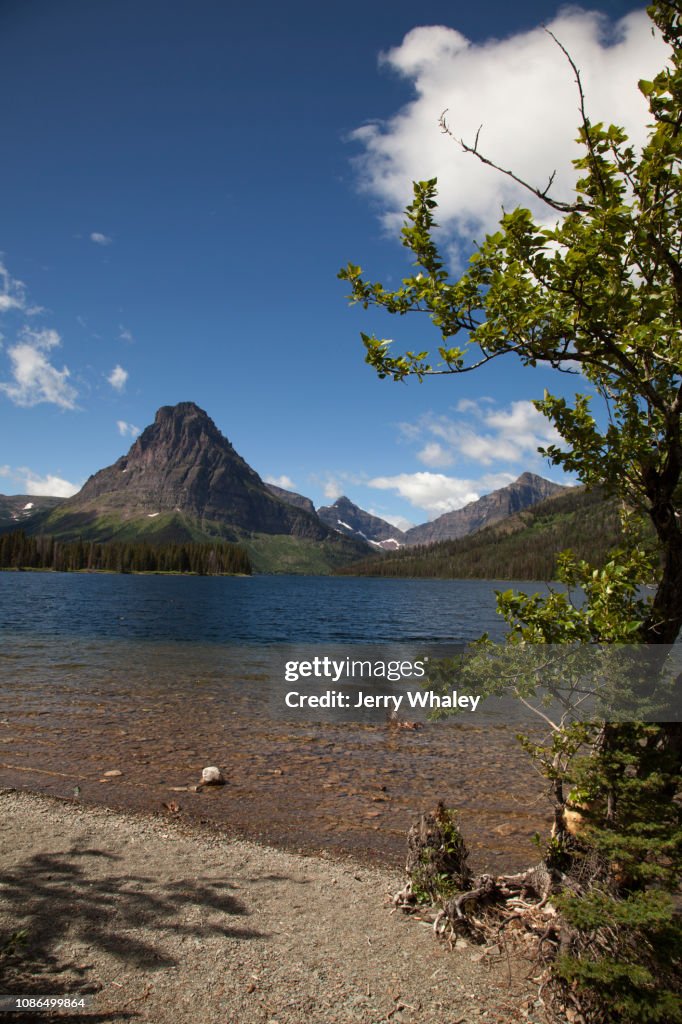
column 181, row 479
column 19, row 510
column 353, row 521
column 528, row 490
column 298, row 500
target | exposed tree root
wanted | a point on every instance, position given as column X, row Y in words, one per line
column 510, row 910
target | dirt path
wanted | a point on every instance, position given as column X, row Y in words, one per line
column 171, row 924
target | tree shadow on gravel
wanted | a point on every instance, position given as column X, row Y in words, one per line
column 54, row 900
column 81, row 1018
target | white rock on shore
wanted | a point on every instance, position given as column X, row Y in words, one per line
column 212, row 776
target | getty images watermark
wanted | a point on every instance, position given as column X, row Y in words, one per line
column 347, row 671
column 586, row 682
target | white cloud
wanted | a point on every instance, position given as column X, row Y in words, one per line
column 521, row 89
column 488, row 434
column 35, row 378
column 33, row 483
column 333, row 489
column 524, row 425
column 506, row 438
column 467, row 405
column 410, row 431
column 53, row 485
column 437, row 493
column 400, row 521
column 127, row 429
column 125, row 334
column 12, row 291
column 334, row 483
column 281, row 481
column 99, row 239
column 433, row 454
column 45, row 339
column 117, row 378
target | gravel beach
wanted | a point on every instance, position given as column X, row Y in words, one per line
column 168, row 922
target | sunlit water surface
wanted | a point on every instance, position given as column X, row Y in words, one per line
column 157, row 677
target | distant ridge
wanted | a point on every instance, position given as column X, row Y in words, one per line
column 183, row 481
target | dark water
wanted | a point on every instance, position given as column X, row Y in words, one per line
column 260, row 609
column 157, row 677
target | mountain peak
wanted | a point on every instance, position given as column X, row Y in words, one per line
column 182, row 410
column 180, row 433
column 183, row 464
column 183, row 415
column 531, row 479
column 346, row 517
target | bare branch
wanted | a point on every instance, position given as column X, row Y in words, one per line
column 487, row 358
column 542, row 194
column 583, row 111
column 531, row 707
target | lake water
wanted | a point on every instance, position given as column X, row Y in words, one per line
column 259, row 609
column 158, row 676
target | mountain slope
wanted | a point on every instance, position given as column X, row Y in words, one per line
column 524, row 492
column 298, row 500
column 18, row 510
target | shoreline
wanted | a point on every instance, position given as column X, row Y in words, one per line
column 174, row 923
column 124, row 572
column 353, row 789
column 212, row 828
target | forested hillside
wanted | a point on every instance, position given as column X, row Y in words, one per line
column 522, row 547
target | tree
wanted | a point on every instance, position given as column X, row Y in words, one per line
column 602, row 291
column 598, row 295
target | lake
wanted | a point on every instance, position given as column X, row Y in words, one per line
column 257, row 609
column 156, row 677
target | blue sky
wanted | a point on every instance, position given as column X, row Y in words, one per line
column 181, row 182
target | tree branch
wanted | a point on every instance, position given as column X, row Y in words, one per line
column 542, row 194
column 583, row 112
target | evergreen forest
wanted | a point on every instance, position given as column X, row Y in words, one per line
column 19, row 551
